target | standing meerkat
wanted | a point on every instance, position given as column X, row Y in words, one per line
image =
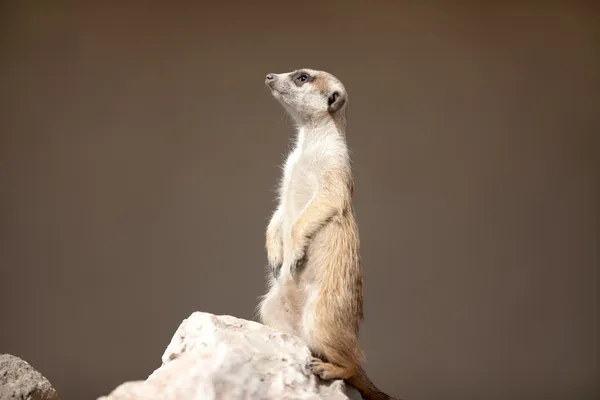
column 315, row 284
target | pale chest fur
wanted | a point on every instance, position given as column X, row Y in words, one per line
column 313, row 154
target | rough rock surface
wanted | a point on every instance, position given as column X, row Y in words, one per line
column 20, row 381
column 223, row 357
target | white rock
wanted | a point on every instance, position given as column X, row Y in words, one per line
column 223, row 357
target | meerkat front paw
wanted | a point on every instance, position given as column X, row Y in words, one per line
column 275, row 262
column 275, row 255
column 300, row 243
column 298, row 260
column 275, row 270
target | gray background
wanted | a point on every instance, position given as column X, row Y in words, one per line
column 139, row 154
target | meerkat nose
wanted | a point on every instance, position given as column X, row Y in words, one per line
column 270, row 79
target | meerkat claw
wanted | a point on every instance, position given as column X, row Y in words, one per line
column 295, row 264
column 275, row 270
column 315, row 365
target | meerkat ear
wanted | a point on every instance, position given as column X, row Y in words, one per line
column 335, row 101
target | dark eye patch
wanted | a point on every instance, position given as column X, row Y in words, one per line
column 301, row 77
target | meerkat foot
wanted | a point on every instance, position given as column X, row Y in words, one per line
column 327, row 371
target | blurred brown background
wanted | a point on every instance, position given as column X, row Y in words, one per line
column 139, row 153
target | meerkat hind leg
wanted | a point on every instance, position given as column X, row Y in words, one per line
column 277, row 312
column 332, row 363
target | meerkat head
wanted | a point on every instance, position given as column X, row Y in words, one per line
column 307, row 94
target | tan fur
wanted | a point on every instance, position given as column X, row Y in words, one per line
column 320, row 84
column 313, row 233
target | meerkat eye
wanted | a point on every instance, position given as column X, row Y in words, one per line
column 302, row 78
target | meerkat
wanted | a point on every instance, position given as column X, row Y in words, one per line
column 315, row 278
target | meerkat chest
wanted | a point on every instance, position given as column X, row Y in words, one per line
column 302, row 175
column 301, row 180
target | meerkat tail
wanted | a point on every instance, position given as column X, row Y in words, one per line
column 361, row 382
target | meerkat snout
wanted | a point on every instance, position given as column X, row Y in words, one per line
column 270, row 78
